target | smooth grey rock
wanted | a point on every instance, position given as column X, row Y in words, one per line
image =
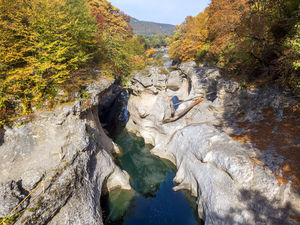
column 174, row 81
column 68, row 151
column 230, row 187
column 145, row 81
column 31, row 178
column 149, row 79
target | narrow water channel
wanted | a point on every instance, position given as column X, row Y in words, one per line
column 153, row 202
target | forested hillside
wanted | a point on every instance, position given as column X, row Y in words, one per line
column 151, row 28
column 248, row 39
column 45, row 44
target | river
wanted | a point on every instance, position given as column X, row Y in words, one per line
column 153, row 202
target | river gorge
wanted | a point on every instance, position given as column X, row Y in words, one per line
column 169, row 149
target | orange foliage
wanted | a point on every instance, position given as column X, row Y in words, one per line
column 150, row 52
column 189, row 37
column 248, row 38
column 110, row 19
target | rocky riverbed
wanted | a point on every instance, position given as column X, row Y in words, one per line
column 236, row 150
column 222, row 146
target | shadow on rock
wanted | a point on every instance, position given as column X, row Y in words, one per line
column 264, row 211
column 266, row 120
column 2, row 133
column 261, row 210
column 115, row 116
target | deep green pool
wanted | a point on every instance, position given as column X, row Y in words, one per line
column 153, row 202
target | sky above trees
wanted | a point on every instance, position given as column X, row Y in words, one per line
column 163, row 11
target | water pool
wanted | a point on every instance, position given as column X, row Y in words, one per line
column 153, row 202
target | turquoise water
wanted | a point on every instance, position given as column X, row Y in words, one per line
column 153, row 202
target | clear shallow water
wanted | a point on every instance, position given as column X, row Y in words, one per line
column 153, row 202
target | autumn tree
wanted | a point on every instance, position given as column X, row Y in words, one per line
column 250, row 36
column 190, row 38
column 245, row 38
column 118, row 47
column 110, row 19
column 44, row 42
column 41, row 42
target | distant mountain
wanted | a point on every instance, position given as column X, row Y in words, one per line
column 145, row 27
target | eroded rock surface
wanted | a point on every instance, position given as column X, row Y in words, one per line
column 65, row 158
column 235, row 182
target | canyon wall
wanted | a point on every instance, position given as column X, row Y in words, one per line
column 62, row 160
column 235, row 181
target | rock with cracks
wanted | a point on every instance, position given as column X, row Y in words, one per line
column 62, row 160
column 231, row 182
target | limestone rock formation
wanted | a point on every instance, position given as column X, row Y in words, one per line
column 235, row 182
column 65, row 159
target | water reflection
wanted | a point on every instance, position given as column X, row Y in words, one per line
column 146, row 171
column 153, row 202
column 118, row 203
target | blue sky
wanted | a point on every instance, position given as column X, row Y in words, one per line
column 163, row 11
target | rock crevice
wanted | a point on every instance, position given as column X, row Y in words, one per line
column 230, row 185
column 67, row 154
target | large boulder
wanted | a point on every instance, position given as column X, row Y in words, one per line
column 174, row 81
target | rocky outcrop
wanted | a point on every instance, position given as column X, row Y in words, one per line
column 62, row 160
column 235, row 182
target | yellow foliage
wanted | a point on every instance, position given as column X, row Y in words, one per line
column 245, row 38
column 150, row 52
column 44, row 42
column 189, row 38
column 110, row 19
column 41, row 42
